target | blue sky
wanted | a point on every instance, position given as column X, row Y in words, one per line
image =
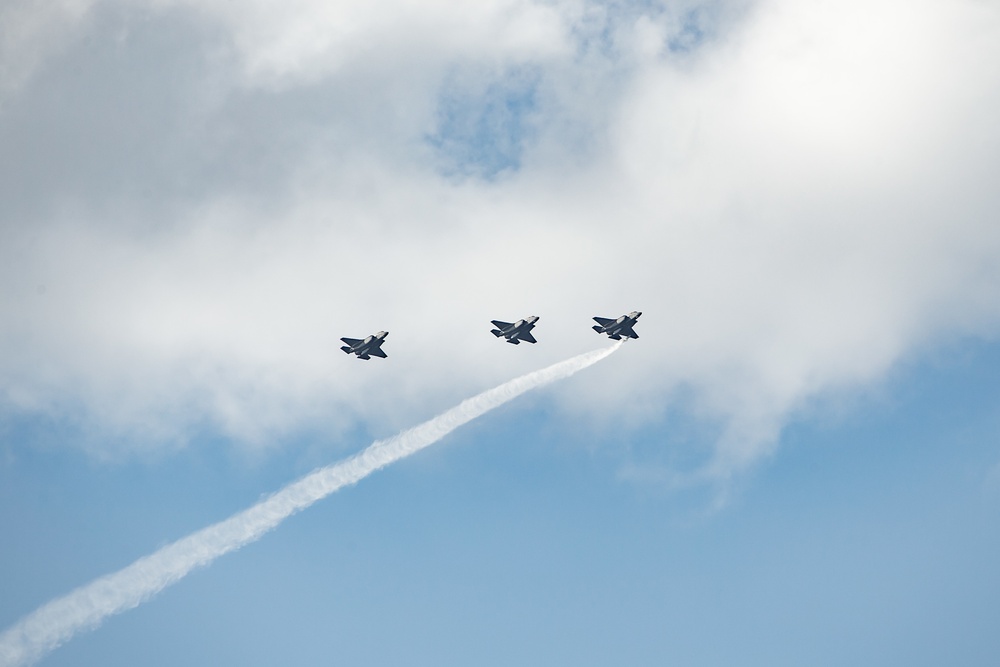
column 871, row 538
column 796, row 463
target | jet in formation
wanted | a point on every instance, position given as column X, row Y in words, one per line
column 616, row 329
column 516, row 332
column 367, row 348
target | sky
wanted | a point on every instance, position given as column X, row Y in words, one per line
column 797, row 462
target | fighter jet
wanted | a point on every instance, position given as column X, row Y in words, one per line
column 367, row 348
column 618, row 328
column 516, row 332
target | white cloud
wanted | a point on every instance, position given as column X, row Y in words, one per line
column 30, row 31
column 796, row 203
column 290, row 42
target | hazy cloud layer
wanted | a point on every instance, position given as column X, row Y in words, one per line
column 201, row 198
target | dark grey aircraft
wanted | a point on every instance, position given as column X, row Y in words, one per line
column 367, row 348
column 516, row 332
column 618, row 328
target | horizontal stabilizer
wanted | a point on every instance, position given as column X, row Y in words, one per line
column 496, row 332
column 513, row 341
column 364, row 356
column 346, row 349
column 598, row 328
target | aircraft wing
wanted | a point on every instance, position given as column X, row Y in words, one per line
column 604, row 321
column 629, row 331
column 377, row 352
column 527, row 337
column 501, row 325
column 351, row 341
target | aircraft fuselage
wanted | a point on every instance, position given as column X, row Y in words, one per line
column 517, row 332
column 618, row 328
column 366, row 348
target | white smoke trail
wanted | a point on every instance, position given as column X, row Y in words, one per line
column 56, row 622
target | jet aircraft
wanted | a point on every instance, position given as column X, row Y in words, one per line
column 516, row 332
column 367, row 348
column 618, row 328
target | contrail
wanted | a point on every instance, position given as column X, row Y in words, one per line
column 51, row 625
